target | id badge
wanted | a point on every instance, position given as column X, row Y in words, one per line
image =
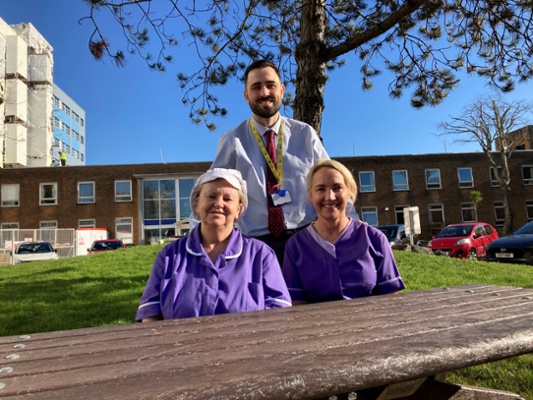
column 281, row 197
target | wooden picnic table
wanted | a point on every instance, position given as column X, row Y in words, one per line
column 381, row 347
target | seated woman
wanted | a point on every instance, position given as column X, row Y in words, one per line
column 215, row 269
column 337, row 257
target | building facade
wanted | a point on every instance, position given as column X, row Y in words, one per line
column 144, row 203
column 68, row 128
column 28, row 115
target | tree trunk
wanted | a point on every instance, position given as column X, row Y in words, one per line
column 508, row 210
column 310, row 59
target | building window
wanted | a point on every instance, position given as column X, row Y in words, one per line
column 433, row 178
column 48, row 224
column 86, row 223
column 82, row 122
column 56, row 101
column 398, row 212
column 81, row 156
column 85, row 192
column 47, row 194
column 9, row 225
column 66, row 128
column 436, row 214
column 399, row 180
column 159, row 201
column 57, row 122
column 499, row 213
column 76, row 117
column 527, row 174
column 370, row 215
column 493, row 181
column 185, row 188
column 468, row 212
column 124, row 229
column 82, row 140
column 529, row 210
column 466, row 179
column 66, row 109
column 367, row 182
column 11, row 195
column 122, row 191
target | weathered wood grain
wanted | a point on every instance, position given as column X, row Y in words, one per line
column 299, row 353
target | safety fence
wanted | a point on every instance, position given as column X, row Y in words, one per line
column 63, row 240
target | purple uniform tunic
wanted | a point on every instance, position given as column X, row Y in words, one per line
column 359, row 264
column 185, row 283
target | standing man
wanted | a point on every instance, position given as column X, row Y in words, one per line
column 274, row 155
column 63, row 157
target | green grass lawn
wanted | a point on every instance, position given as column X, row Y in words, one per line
column 104, row 289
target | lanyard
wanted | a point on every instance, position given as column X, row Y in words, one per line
column 276, row 171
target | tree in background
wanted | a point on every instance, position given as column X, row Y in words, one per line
column 422, row 43
column 489, row 122
column 476, row 197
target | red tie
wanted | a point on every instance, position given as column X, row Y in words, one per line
column 276, row 222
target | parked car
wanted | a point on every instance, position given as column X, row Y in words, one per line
column 99, row 246
column 517, row 247
column 33, row 251
column 395, row 233
column 466, row 240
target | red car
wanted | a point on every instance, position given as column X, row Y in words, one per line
column 105, row 245
column 466, row 240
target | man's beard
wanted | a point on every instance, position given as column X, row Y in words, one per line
column 265, row 112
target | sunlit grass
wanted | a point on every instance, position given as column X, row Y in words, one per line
column 104, row 289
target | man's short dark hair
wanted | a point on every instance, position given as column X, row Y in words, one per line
column 260, row 64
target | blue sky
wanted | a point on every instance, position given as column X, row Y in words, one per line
column 135, row 115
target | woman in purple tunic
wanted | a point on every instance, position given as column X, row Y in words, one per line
column 215, row 269
column 337, row 257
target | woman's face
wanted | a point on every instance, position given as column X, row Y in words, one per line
column 329, row 193
column 218, row 204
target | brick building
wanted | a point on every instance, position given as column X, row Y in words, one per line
column 146, row 202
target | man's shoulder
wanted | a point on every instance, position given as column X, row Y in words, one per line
column 294, row 124
column 240, row 129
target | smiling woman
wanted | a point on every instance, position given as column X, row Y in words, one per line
column 215, row 269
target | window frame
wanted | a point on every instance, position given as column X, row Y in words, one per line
column 48, row 201
column 371, row 188
column 529, row 210
column 3, row 192
column 468, row 207
column 9, row 226
column 123, row 221
column 120, row 198
column 370, row 211
column 43, row 223
column 498, row 207
column 396, row 187
column 436, row 207
column 87, row 199
column 87, row 223
column 527, row 181
column 465, row 184
column 432, row 186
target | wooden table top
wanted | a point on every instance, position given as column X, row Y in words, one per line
column 298, row 353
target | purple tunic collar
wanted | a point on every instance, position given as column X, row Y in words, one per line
column 233, row 249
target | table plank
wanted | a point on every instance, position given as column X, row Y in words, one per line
column 303, row 352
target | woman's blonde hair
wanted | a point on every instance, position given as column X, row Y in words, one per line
column 345, row 172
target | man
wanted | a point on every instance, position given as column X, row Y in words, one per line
column 63, row 157
column 246, row 149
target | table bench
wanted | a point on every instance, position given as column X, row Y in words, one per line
column 384, row 347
